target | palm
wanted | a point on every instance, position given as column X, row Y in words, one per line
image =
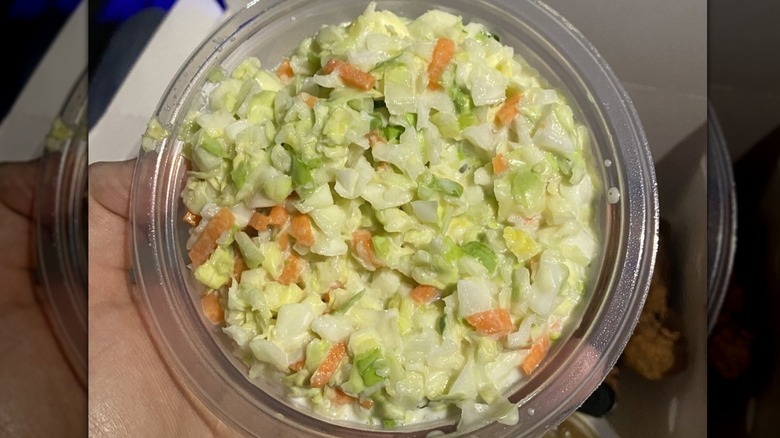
column 41, row 395
column 131, row 392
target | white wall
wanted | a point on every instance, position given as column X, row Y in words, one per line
column 658, row 50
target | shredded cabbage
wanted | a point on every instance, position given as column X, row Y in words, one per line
column 433, row 226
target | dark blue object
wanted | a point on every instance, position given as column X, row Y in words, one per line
column 117, row 11
column 30, row 9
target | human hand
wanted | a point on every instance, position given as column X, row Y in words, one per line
column 131, row 391
column 40, row 395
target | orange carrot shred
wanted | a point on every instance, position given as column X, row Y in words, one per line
column 285, row 71
column 508, row 110
column 423, row 294
column 300, row 228
column 284, row 241
column 367, row 403
column 191, row 218
column 442, row 55
column 297, row 366
column 492, row 322
column 332, row 64
column 364, row 247
column 328, row 366
column 350, row 74
column 292, row 270
column 212, row 309
column 374, row 138
column 341, row 397
column 310, row 100
column 259, row 221
column 207, row 242
column 536, row 354
column 239, row 265
column 278, row 215
column 499, row 164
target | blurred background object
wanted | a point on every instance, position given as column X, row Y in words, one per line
column 60, row 216
column 744, row 377
column 32, row 26
column 42, row 374
column 51, row 40
column 721, row 218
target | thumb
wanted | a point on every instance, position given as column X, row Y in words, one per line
column 109, row 186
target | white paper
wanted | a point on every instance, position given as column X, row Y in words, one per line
column 117, row 135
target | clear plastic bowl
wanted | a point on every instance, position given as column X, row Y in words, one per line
column 200, row 354
column 721, row 218
column 60, row 227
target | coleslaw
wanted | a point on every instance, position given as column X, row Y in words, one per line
column 396, row 220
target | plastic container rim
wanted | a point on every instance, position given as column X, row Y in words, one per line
column 598, row 345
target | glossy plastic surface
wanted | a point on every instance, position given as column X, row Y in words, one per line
column 60, row 226
column 201, row 355
column 721, row 218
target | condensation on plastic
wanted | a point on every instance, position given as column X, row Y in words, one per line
column 721, row 218
column 200, row 354
column 60, row 226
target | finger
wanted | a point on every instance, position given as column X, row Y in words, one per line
column 109, row 196
column 17, row 185
column 109, row 186
column 131, row 392
column 40, row 395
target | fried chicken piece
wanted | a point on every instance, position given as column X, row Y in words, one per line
column 657, row 347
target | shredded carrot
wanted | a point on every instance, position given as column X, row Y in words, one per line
column 423, row 294
column 310, row 100
column 492, row 322
column 328, row 366
column 278, row 216
column 499, row 164
column 285, row 71
column 212, row 309
column 297, row 366
column 239, row 265
column 207, row 242
column 342, row 398
column 292, row 270
column 442, row 55
column 508, row 110
column 332, row 64
column 284, row 241
column 367, row 403
column 300, row 228
column 364, row 247
column 536, row 354
column 374, row 138
column 259, row 221
column 350, row 74
column 191, row 218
